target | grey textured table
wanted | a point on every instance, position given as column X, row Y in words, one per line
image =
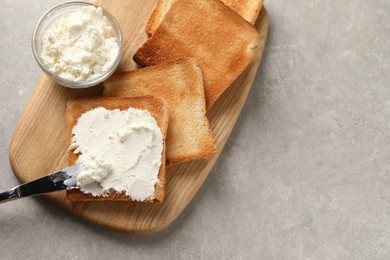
column 305, row 174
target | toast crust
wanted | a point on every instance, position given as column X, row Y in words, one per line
column 180, row 83
column 157, row 107
column 219, row 40
column 160, row 8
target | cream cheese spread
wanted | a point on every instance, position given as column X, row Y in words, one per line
column 121, row 150
column 79, row 46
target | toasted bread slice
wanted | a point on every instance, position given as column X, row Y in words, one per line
column 247, row 9
column 180, row 83
column 218, row 39
column 157, row 107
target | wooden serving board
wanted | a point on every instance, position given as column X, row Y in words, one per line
column 39, row 144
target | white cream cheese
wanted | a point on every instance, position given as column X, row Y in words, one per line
column 79, row 46
column 120, row 151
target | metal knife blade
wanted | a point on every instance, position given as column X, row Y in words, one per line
column 63, row 179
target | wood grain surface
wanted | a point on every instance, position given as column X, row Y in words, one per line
column 39, row 143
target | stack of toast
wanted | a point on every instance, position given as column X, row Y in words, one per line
column 218, row 39
column 196, row 50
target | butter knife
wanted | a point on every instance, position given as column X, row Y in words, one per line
column 61, row 180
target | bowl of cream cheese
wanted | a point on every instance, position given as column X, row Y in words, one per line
column 77, row 44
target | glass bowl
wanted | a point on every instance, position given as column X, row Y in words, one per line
column 53, row 14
